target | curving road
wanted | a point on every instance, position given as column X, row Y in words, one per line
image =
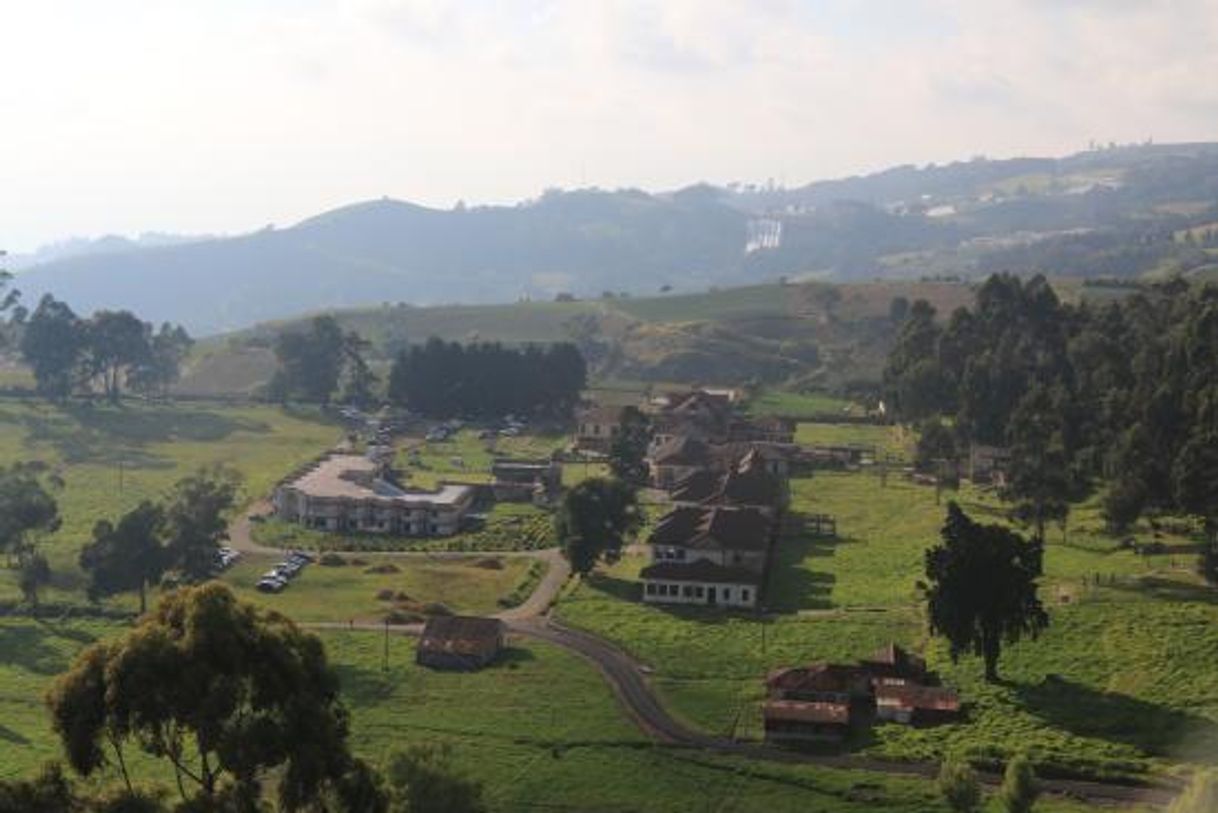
column 628, row 680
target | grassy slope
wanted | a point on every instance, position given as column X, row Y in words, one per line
column 541, row 729
column 153, row 446
column 1135, row 665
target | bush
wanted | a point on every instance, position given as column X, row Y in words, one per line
column 387, row 567
column 1018, row 793
column 437, row 608
column 958, row 786
column 331, row 560
column 384, row 595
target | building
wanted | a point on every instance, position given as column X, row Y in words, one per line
column 525, row 480
column 820, row 683
column 696, row 414
column 596, row 426
column 912, row 704
column 673, row 459
column 796, row 721
column 714, row 556
column 987, row 463
column 351, row 493
column 891, row 663
column 749, row 484
column 460, row 642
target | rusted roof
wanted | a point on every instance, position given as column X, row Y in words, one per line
column 682, row 450
column 799, row 711
column 912, row 696
column 892, row 655
column 815, row 677
column 714, row 528
column 461, row 634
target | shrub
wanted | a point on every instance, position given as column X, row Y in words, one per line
column 387, row 567
column 1018, row 793
column 958, row 786
column 331, row 560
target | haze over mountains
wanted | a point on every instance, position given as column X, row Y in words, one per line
column 1113, row 212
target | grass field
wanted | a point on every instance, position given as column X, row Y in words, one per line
column 1122, row 682
column 110, row 458
column 320, row 593
column 895, row 441
column 799, row 405
column 467, row 458
column 540, row 730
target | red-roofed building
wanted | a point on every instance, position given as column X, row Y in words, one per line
column 799, row 721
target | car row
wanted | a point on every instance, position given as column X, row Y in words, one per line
column 277, row 578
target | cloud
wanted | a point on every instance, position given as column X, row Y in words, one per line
column 222, row 116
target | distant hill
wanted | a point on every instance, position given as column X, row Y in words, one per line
column 1108, row 212
column 817, row 335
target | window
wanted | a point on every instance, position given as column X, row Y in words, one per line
column 699, row 592
column 744, row 594
column 651, row 589
column 727, row 593
column 687, row 591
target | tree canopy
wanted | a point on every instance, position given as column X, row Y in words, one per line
column 488, row 380
column 628, row 448
column 27, row 509
column 223, row 691
column 981, row 589
column 196, row 520
column 594, row 520
column 128, row 556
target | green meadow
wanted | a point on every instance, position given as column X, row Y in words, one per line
column 540, row 730
column 1122, row 683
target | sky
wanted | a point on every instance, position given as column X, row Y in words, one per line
column 224, row 116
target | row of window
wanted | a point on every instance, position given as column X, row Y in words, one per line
column 695, row 591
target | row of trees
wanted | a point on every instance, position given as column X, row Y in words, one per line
column 109, row 350
column 230, row 697
column 1125, row 392
column 487, row 380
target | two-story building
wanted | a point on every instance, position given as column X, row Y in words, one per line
column 351, row 493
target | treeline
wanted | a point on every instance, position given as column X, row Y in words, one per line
column 107, row 351
column 1124, row 393
column 487, row 380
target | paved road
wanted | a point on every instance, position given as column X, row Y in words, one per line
column 628, row 680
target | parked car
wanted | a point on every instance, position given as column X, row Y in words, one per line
column 271, row 584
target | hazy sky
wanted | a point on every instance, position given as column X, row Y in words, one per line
column 225, row 115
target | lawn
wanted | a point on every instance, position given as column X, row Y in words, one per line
column 110, row 458
column 800, row 405
column 472, row 585
column 540, row 730
column 1122, row 681
column 467, row 458
column 895, row 441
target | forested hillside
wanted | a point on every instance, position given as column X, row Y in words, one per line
column 1115, row 212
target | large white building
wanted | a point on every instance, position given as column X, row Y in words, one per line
column 347, row 492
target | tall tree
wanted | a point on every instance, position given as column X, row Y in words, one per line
column 27, row 509
column 594, row 520
column 196, row 521
column 1195, row 476
column 981, row 589
column 128, row 556
column 52, row 341
column 115, row 343
column 628, row 448
column 1039, row 476
column 162, row 366
column 310, row 361
column 358, row 379
column 225, row 692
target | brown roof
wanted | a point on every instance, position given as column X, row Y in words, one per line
column 803, row 712
column 682, row 450
column 701, row 570
column 696, row 487
column 715, row 528
column 461, row 634
column 912, row 696
column 601, row 413
column 891, row 655
column 815, row 677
